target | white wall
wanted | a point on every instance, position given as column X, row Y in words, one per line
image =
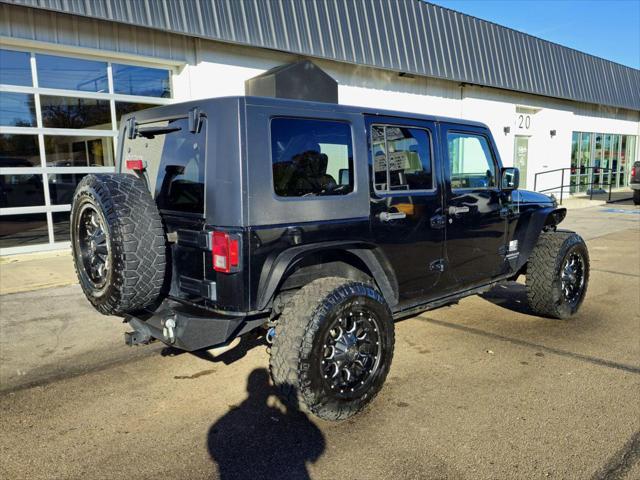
column 221, row 70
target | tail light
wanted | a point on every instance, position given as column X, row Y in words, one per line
column 226, row 252
column 137, row 165
column 633, row 171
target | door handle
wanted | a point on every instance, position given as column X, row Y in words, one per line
column 388, row 216
column 458, row 210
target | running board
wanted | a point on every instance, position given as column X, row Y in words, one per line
column 440, row 302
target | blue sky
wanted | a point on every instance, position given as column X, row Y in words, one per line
column 605, row 28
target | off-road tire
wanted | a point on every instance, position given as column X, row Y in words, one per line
column 636, row 197
column 295, row 361
column 135, row 237
column 543, row 278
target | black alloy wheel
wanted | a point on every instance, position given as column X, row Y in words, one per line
column 333, row 347
column 573, row 277
column 351, row 351
column 94, row 246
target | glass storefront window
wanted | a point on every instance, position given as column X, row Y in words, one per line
column 15, row 68
column 21, row 190
column 71, row 73
column 24, row 229
column 122, row 108
column 75, row 134
column 70, row 151
column 62, row 186
column 19, row 151
column 66, row 112
column 600, row 158
column 61, row 226
column 17, row 110
column 148, row 82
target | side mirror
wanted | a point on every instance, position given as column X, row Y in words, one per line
column 510, row 179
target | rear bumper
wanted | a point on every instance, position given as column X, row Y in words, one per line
column 187, row 328
column 635, row 186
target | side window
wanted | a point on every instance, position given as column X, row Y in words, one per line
column 470, row 161
column 401, row 158
column 311, row 157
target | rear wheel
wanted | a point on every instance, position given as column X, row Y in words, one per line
column 333, row 347
column 557, row 274
column 636, row 197
column 118, row 243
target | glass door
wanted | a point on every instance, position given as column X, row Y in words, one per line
column 520, row 158
column 614, row 160
column 596, row 162
column 584, row 161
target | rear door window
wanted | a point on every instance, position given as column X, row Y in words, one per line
column 311, row 157
column 175, row 163
column 401, row 158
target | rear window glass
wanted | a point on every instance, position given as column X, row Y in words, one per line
column 311, row 157
column 175, row 163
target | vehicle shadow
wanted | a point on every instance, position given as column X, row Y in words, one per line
column 258, row 439
column 248, row 342
column 510, row 295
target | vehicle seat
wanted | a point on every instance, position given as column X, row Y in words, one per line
column 311, row 175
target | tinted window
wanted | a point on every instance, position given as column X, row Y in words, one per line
column 21, row 190
column 19, row 151
column 77, row 151
column 17, row 110
column 311, row 157
column 150, row 82
column 175, row 164
column 470, row 161
column 122, row 108
column 62, row 187
column 60, row 226
column 15, row 68
column 71, row 73
column 23, row 229
column 66, row 112
column 401, row 158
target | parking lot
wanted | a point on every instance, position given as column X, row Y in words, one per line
column 482, row 389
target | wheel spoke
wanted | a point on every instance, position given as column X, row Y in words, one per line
column 350, row 349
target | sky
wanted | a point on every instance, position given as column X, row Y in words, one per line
column 606, row 28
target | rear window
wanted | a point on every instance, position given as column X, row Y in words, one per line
column 175, row 163
column 311, row 157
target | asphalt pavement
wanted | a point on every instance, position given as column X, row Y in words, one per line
column 482, row 389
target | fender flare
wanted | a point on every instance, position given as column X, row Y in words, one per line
column 528, row 235
column 275, row 269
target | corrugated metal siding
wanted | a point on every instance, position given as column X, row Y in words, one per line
column 402, row 35
column 99, row 35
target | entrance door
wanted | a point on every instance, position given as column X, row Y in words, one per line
column 406, row 202
column 520, row 157
column 476, row 229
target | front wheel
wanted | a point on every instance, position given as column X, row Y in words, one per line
column 557, row 274
column 333, row 347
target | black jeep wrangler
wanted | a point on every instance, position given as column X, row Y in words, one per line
column 321, row 223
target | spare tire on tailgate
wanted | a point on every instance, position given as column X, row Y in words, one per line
column 118, row 242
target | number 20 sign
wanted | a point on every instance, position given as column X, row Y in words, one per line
column 523, row 121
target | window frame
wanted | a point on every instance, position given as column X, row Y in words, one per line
column 281, row 198
column 496, row 165
column 402, row 193
column 40, row 131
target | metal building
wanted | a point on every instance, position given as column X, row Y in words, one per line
column 69, row 69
